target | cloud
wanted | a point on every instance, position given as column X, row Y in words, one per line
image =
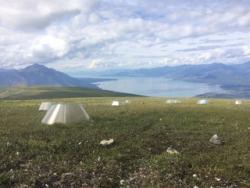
column 100, row 34
column 246, row 50
column 39, row 23
column 39, row 14
column 48, row 46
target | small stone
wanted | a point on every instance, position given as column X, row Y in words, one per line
column 107, row 142
column 122, row 182
column 217, row 179
column 79, row 143
column 195, row 176
column 172, row 151
column 216, row 140
column 17, row 153
column 195, row 186
column 99, row 159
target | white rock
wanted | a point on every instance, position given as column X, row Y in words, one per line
column 215, row 140
column 107, row 142
column 172, row 151
column 122, row 182
column 217, row 179
column 195, row 186
column 195, row 176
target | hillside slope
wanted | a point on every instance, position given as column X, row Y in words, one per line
column 18, row 93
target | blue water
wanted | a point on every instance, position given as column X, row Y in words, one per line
column 160, row 87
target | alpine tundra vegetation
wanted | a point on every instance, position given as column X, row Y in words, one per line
column 144, row 135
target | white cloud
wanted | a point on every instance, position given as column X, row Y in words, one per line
column 49, row 45
column 246, row 50
column 29, row 14
column 114, row 33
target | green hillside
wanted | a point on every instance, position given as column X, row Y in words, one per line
column 20, row 93
column 36, row 155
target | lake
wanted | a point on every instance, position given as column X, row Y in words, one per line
column 158, row 87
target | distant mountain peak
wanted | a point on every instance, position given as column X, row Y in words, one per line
column 36, row 66
column 40, row 75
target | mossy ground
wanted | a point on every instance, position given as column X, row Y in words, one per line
column 36, row 155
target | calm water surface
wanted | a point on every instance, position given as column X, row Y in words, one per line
column 158, row 87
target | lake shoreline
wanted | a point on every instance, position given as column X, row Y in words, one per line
column 158, row 87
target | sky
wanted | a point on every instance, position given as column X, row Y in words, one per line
column 91, row 35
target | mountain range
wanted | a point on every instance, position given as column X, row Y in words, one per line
column 39, row 75
column 215, row 73
column 235, row 78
